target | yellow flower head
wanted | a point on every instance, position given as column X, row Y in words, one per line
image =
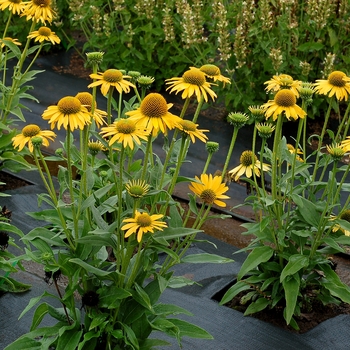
column 69, row 112
column 297, row 151
column 246, row 166
column 190, row 128
column 28, row 133
column 153, row 114
column 14, row 41
column 142, row 223
column 336, row 150
column 44, row 34
column 213, row 72
column 338, row 84
column 284, row 101
column 95, row 147
column 86, row 100
column 283, row 81
column 14, row 6
column 125, row 131
column 345, row 144
column 345, row 215
column 137, row 188
column 210, row 189
column 111, row 78
column 38, row 10
column 192, row 82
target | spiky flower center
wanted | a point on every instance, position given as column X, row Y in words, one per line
column 42, row 3
column 113, row 75
column 16, row 1
column 125, row 126
column 44, row 31
column 336, row 151
column 246, row 158
column 194, row 77
column 265, row 129
column 144, row 220
column 188, row 126
column 145, row 80
column 86, row 99
column 137, row 189
column 69, row 105
column 95, row 146
column 212, row 147
column 237, row 119
column 210, row 69
column 285, row 98
column 208, row 196
column 345, row 215
column 336, row 79
column 286, row 81
column 154, row 106
column 30, row 130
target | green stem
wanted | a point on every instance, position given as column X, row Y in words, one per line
column 229, row 153
column 320, row 140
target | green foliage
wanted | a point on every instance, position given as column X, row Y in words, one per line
column 302, row 220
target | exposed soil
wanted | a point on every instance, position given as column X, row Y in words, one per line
column 308, row 319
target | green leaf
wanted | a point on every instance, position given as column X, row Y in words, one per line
column 310, row 46
column 169, row 309
column 296, row 262
column 142, row 297
column 34, row 301
column 24, row 343
column 256, row 256
column 190, row 330
column 256, row 306
column 204, row 258
column 180, row 281
column 170, row 233
column 333, row 283
column 307, row 210
column 291, row 290
column 233, row 291
column 90, row 268
column 38, row 316
column 110, row 295
column 69, row 340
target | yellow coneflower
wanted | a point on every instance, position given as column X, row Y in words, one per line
column 191, row 83
column 284, row 101
column 14, row 6
column 44, row 34
column 69, row 113
column 190, row 128
column 142, row 223
column 210, row 189
column 283, row 81
column 137, row 188
column 86, row 100
column 246, row 166
column 111, row 78
column 338, row 84
column 28, row 133
column 153, row 114
column 213, row 72
column 39, row 10
column 125, row 131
